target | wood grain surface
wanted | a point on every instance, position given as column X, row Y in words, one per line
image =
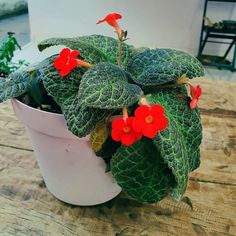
column 208, row 208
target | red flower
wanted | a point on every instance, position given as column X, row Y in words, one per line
column 111, row 19
column 148, row 120
column 123, row 131
column 67, row 61
column 195, row 92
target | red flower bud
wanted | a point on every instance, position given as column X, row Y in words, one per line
column 111, row 19
column 195, row 92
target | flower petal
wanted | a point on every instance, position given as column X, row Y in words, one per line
column 193, row 103
column 59, row 62
column 129, row 121
column 150, row 131
column 118, row 123
column 65, row 52
column 161, row 122
column 142, row 111
column 116, row 134
column 157, row 110
column 74, row 53
column 64, row 72
column 127, row 139
column 138, row 124
column 100, row 21
column 199, row 91
column 72, row 63
column 116, row 16
column 137, row 135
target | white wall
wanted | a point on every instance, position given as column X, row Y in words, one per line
column 154, row 23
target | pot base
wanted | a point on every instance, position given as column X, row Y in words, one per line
column 71, row 170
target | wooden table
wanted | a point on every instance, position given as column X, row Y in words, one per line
column 209, row 208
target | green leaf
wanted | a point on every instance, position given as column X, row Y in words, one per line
column 179, row 143
column 106, row 86
column 109, row 47
column 93, row 48
column 60, row 88
column 140, row 171
column 161, row 66
column 81, row 120
column 88, row 52
column 13, row 87
column 19, row 82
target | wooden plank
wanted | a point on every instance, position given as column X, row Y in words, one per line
column 218, row 96
column 27, row 208
column 218, row 151
column 12, row 131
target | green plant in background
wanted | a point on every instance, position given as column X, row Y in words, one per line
column 109, row 78
column 9, row 45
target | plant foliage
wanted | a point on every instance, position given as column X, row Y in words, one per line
column 150, row 169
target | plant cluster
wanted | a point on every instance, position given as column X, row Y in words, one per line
column 132, row 102
column 7, row 49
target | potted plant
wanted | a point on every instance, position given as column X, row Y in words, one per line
column 130, row 121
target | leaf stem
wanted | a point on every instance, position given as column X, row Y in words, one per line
column 125, row 113
column 119, row 59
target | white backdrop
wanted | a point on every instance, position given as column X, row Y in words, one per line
column 153, row 23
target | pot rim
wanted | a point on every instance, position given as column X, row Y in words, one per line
column 35, row 109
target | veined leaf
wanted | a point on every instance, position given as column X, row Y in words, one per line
column 60, row 88
column 12, row 87
column 21, row 81
column 109, row 47
column 141, row 171
column 98, row 136
column 106, row 86
column 161, row 66
column 93, row 48
column 179, row 143
column 81, row 120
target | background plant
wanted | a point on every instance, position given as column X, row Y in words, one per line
column 9, row 45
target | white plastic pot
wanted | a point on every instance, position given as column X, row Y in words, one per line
column 71, row 170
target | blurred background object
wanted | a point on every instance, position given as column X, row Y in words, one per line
column 14, row 18
column 174, row 24
column 222, row 33
column 12, row 7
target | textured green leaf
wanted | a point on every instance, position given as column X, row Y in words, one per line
column 60, row 88
column 106, row 86
column 161, row 66
column 179, row 143
column 21, row 81
column 93, row 48
column 88, row 52
column 141, row 172
column 109, row 47
column 81, row 120
column 13, row 87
